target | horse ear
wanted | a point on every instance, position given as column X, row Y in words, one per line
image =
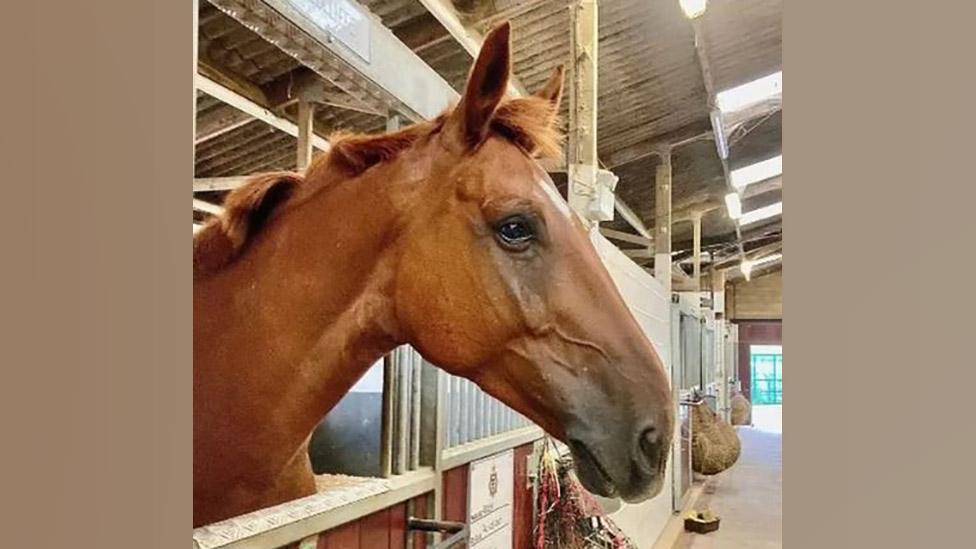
column 553, row 90
column 486, row 86
column 249, row 206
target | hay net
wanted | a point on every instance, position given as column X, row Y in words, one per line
column 715, row 444
column 568, row 517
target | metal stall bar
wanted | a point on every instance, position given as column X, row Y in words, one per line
column 447, row 409
column 415, row 364
column 462, row 417
column 387, row 426
column 479, row 419
column 401, row 443
column 454, row 412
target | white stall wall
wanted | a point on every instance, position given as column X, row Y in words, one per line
column 651, row 306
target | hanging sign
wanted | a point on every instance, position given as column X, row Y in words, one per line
column 341, row 19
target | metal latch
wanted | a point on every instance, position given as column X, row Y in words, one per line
column 459, row 530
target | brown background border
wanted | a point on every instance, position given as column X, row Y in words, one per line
column 96, row 354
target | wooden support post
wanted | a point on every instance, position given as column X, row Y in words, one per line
column 718, row 291
column 662, row 220
column 306, row 123
column 582, row 162
column 196, row 48
column 696, row 243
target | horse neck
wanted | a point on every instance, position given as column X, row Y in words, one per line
column 302, row 315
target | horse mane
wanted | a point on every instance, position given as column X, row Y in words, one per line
column 246, row 209
column 528, row 122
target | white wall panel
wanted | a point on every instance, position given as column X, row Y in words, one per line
column 651, row 306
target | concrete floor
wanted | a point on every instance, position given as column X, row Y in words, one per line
column 748, row 497
column 768, row 418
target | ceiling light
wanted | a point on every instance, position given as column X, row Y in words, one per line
column 761, row 213
column 734, row 205
column 719, row 130
column 693, row 8
column 750, row 93
column 760, row 171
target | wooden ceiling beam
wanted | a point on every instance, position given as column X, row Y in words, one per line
column 209, row 184
column 468, row 38
column 628, row 215
column 245, row 97
column 389, row 80
column 219, row 121
column 626, row 237
column 207, row 207
column 253, row 108
column 648, row 147
column 422, row 32
column 231, row 80
column 304, row 83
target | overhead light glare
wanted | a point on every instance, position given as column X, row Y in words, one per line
column 750, row 93
column 746, row 268
column 734, row 205
column 767, row 259
column 718, row 127
column 693, row 8
column 761, row 213
column 754, row 173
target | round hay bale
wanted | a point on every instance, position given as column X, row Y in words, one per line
column 715, row 444
column 741, row 410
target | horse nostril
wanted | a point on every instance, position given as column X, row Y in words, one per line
column 650, row 441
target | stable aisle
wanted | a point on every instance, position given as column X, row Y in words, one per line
column 749, row 496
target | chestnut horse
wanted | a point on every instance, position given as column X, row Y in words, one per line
column 448, row 236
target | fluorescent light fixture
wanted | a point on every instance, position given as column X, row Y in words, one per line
column 734, row 205
column 761, row 213
column 693, row 8
column 754, row 173
column 718, row 128
column 750, row 93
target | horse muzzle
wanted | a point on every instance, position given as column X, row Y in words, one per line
column 633, row 471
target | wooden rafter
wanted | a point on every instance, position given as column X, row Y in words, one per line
column 252, row 108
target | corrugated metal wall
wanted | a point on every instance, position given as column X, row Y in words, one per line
column 758, row 299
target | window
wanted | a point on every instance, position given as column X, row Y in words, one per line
column 750, row 93
column 767, row 374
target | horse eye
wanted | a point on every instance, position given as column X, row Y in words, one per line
column 515, row 232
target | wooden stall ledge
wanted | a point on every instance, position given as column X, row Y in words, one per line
column 295, row 520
